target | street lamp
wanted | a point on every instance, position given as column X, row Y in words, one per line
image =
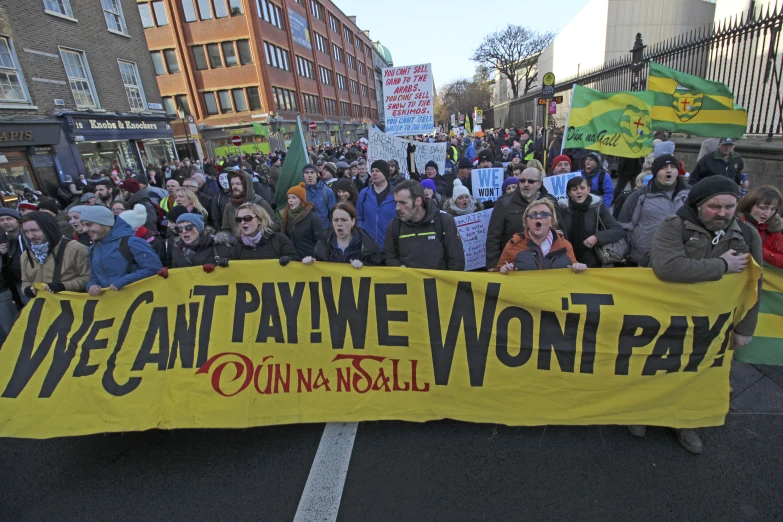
column 637, row 63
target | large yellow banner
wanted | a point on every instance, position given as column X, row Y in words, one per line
column 258, row 344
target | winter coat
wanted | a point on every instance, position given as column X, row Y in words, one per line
column 525, row 254
column 771, row 239
column 644, row 211
column 696, row 260
column 108, row 266
column 11, row 263
column 607, row 188
column 272, row 246
column 442, row 186
column 229, row 226
column 323, row 198
column 74, row 272
column 507, row 220
column 142, row 197
column 371, row 217
column 303, row 230
column 274, row 175
column 361, row 185
column 219, row 203
column 470, row 152
column 714, row 165
column 209, row 250
column 362, row 247
column 154, row 241
column 418, row 244
column 205, row 197
column 613, row 231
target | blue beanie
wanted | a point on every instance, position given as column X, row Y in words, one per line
column 507, row 182
column 194, row 219
column 429, row 184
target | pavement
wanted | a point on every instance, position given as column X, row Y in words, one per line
column 446, row 470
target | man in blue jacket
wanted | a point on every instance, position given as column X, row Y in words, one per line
column 376, row 207
column 117, row 257
column 470, row 150
column 318, row 194
column 600, row 181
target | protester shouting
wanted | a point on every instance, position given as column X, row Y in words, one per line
column 345, row 242
column 430, row 191
column 760, row 207
column 300, row 222
column 195, row 246
column 461, row 202
column 256, row 240
column 376, row 206
column 580, row 214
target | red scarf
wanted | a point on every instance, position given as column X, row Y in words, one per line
column 141, row 232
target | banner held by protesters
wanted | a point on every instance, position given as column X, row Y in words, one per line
column 385, row 147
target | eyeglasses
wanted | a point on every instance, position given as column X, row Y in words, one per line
column 523, row 181
column 185, row 228
column 536, row 215
column 244, row 219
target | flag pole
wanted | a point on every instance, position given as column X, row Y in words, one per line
column 568, row 117
column 301, row 135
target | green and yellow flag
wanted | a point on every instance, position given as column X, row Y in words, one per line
column 613, row 123
column 687, row 103
column 767, row 344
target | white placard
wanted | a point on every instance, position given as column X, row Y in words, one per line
column 385, row 147
column 407, row 99
column 556, row 185
column 487, row 184
column 473, row 232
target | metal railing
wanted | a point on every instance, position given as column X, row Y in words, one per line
column 744, row 52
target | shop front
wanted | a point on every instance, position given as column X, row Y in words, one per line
column 254, row 138
column 104, row 142
column 27, row 163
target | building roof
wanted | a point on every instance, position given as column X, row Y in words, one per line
column 384, row 52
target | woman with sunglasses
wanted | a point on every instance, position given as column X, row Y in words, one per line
column 256, row 240
column 344, row 242
column 540, row 246
column 195, row 247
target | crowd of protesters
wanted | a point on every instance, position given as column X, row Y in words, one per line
column 111, row 230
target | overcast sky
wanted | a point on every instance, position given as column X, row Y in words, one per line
column 445, row 32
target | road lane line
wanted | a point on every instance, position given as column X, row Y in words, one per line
column 321, row 496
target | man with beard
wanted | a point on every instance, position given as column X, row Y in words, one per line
column 561, row 165
column 103, row 193
column 241, row 186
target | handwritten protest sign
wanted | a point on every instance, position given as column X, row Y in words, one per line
column 556, row 185
column 407, row 98
column 385, row 147
column 473, row 232
column 487, row 184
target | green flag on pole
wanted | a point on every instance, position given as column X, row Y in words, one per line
column 291, row 171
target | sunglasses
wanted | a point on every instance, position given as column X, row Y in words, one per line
column 536, row 215
column 244, row 219
column 525, row 181
column 185, row 228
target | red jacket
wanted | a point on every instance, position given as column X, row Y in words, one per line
column 771, row 234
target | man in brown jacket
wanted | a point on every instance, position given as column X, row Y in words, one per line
column 50, row 259
column 702, row 242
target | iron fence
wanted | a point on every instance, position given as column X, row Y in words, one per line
column 744, row 52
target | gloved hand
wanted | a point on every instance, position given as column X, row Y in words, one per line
column 55, row 287
column 411, row 147
column 223, row 262
column 209, row 268
column 29, row 291
column 164, row 273
column 285, row 260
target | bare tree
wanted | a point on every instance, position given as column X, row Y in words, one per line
column 514, row 52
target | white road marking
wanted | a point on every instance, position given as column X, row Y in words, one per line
column 321, row 496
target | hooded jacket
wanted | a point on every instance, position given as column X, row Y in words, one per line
column 507, row 219
column 418, row 246
column 74, row 267
column 108, row 266
column 612, row 232
column 271, row 246
column 209, row 250
column 362, row 247
column 525, row 254
column 303, row 230
column 142, row 197
column 374, row 218
column 697, row 260
column 771, row 238
column 228, row 224
column 324, row 200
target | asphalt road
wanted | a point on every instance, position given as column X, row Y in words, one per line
column 443, row 470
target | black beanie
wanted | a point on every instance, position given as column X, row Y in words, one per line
column 663, row 160
column 382, row 166
column 464, row 163
column 432, row 164
column 713, row 186
column 175, row 212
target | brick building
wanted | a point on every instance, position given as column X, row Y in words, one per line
column 247, row 67
column 77, row 92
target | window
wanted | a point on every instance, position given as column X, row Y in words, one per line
column 354, row 86
column 182, row 104
column 213, row 51
column 235, row 6
column 337, row 53
column 229, row 54
column 364, row 91
column 79, row 78
column 239, row 99
column 170, row 106
column 189, row 10
column 62, row 7
column 372, row 93
column 359, row 48
column 146, row 16
column 158, row 63
column 357, row 113
column 277, row 57
column 203, row 9
column 253, row 99
column 330, row 106
column 199, row 57
column 171, row 60
column 325, row 75
column 210, row 103
column 310, row 103
column 334, row 23
column 225, row 102
column 370, row 74
column 362, row 69
column 320, row 42
column 317, row 9
column 304, row 67
column 345, row 109
column 112, row 12
column 348, row 34
column 351, row 61
column 341, row 82
column 284, row 99
column 220, row 8
column 11, row 79
column 245, row 56
column 132, row 82
column 366, row 112
column 374, row 114
column 270, row 12
column 160, row 13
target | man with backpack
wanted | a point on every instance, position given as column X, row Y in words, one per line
column 600, row 182
column 117, row 257
column 421, row 236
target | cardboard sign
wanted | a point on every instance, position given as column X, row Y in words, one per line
column 407, row 97
column 385, row 147
column 487, row 184
column 473, row 232
column 556, row 185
